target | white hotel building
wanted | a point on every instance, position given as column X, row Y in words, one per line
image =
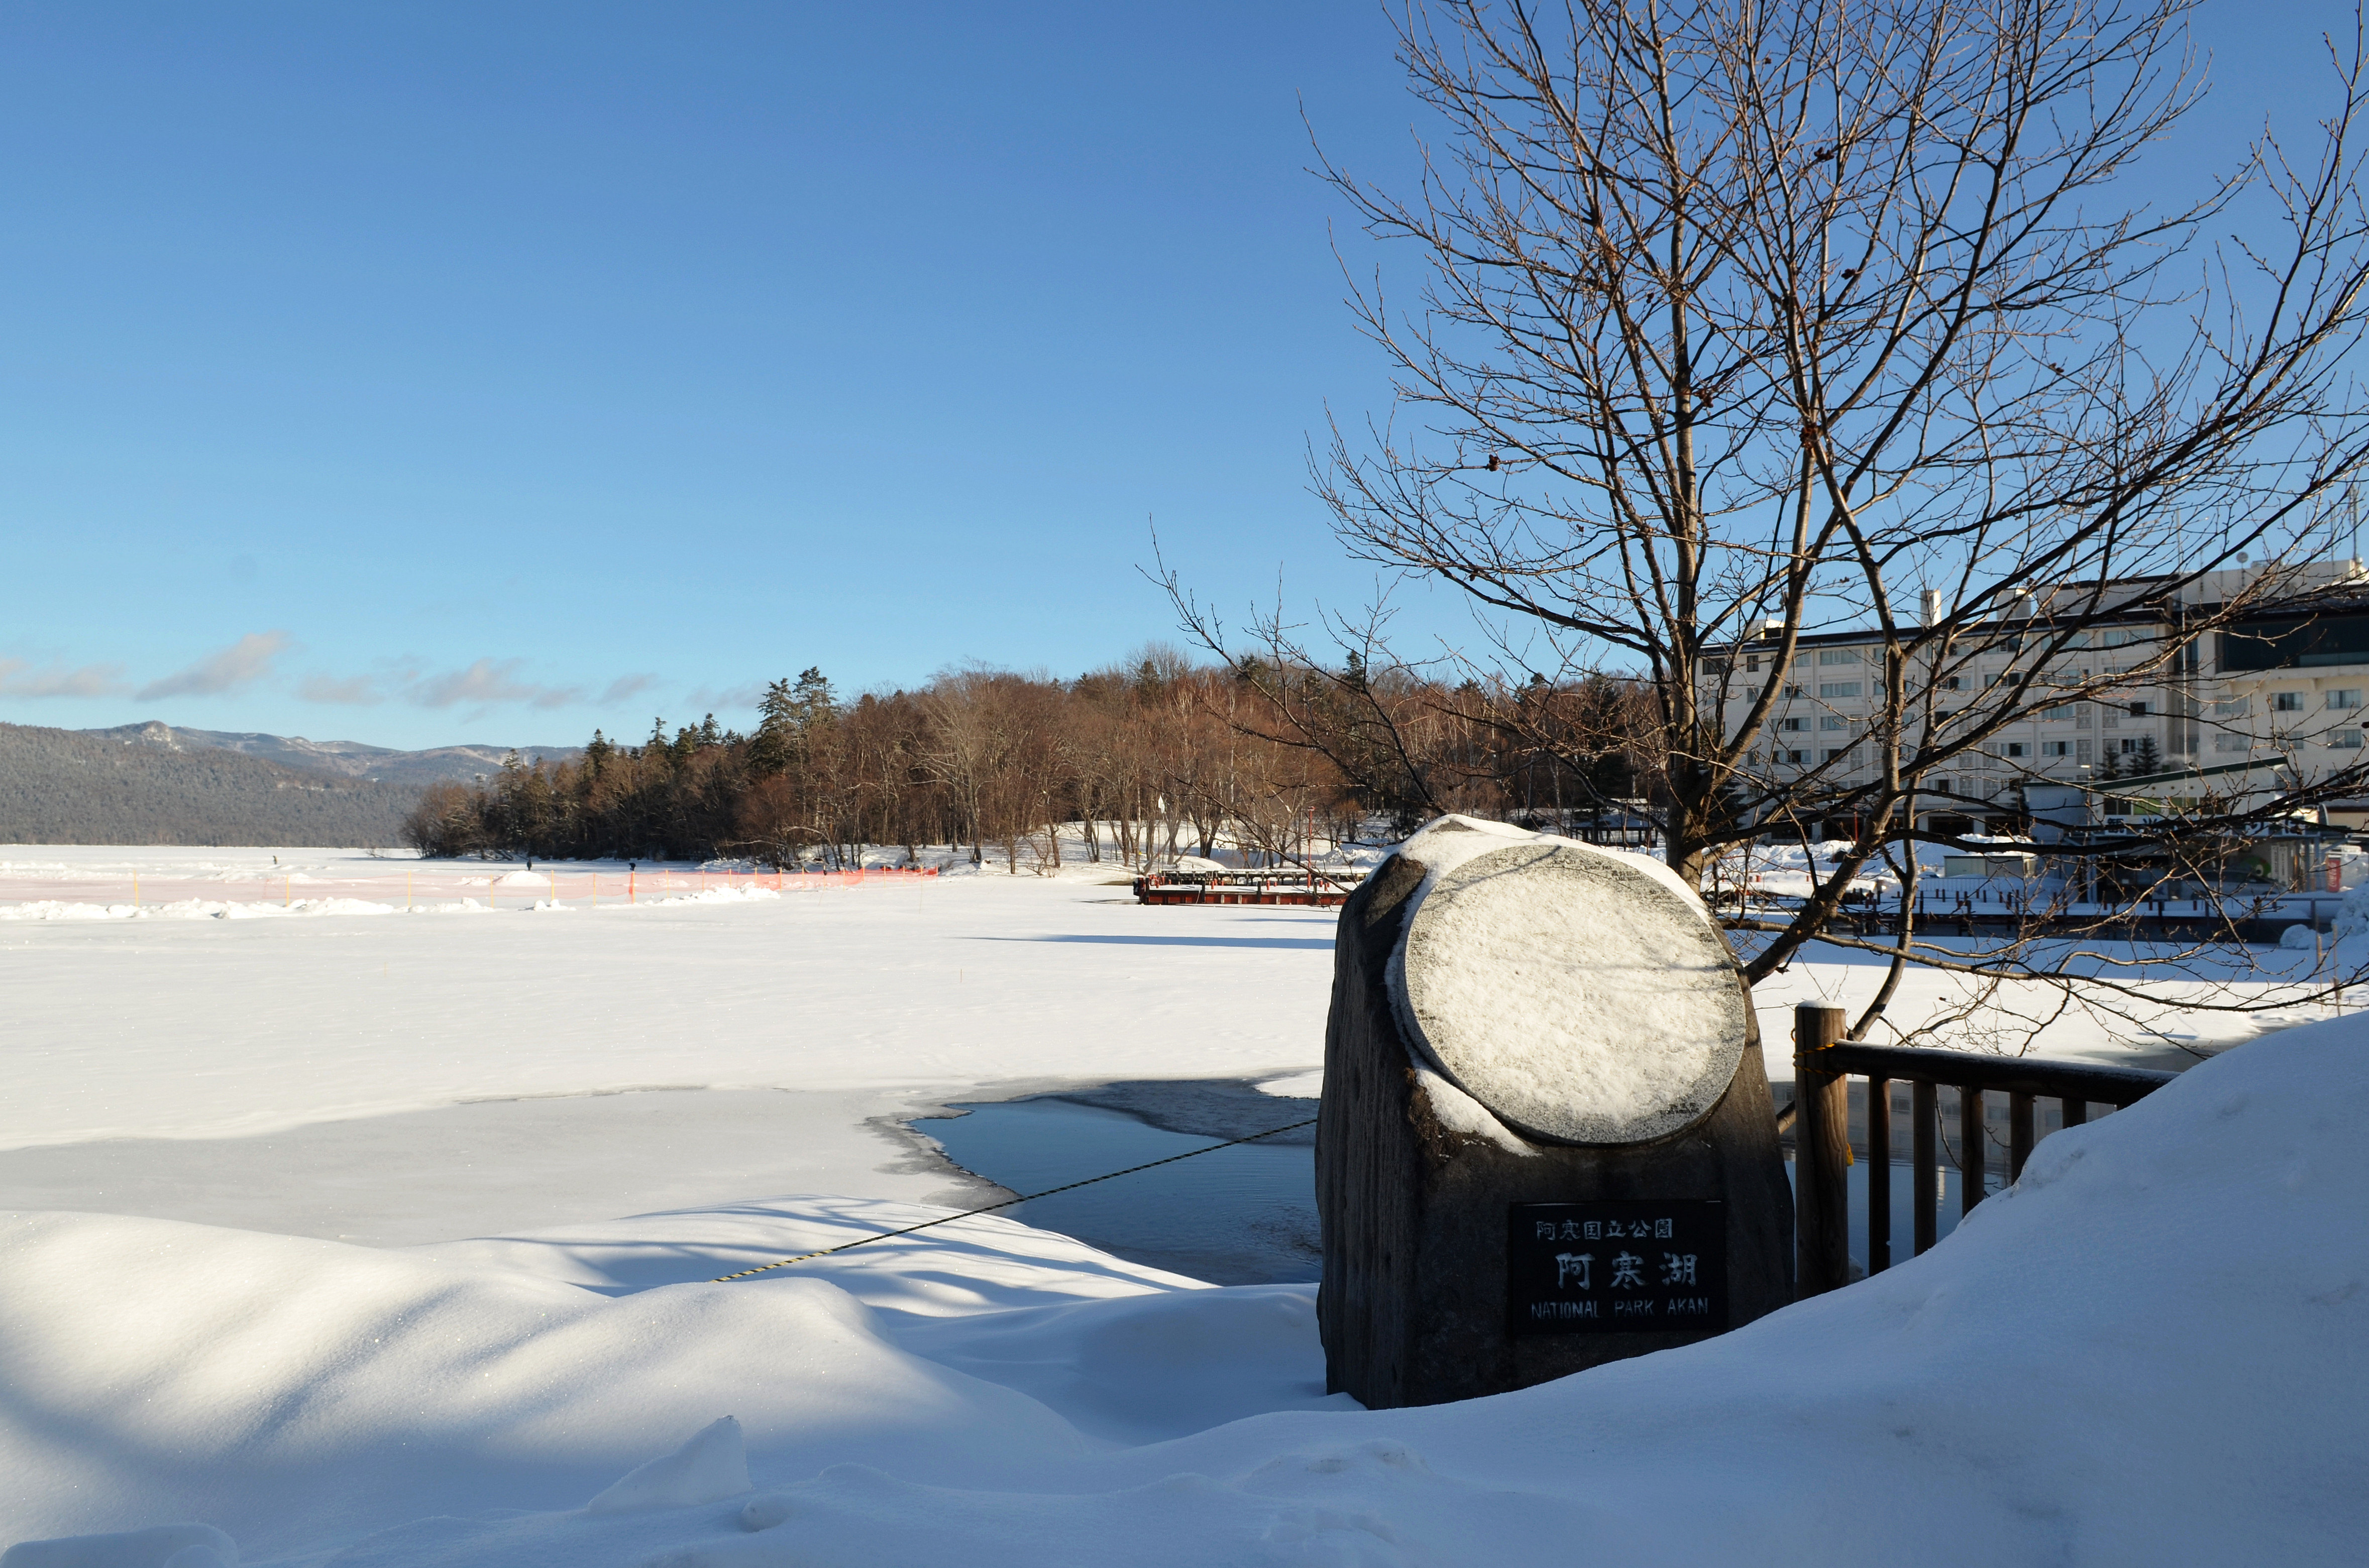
column 2280, row 695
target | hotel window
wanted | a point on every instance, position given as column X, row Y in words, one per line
column 2013, row 748
column 2138, row 710
column 2056, row 748
column 1838, row 689
column 2233, row 707
column 2344, row 740
column 2345, row 700
column 1793, row 723
column 1792, row 756
column 2288, row 702
column 1833, row 721
column 1839, row 655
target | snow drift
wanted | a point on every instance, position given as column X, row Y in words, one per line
column 2149, row 1351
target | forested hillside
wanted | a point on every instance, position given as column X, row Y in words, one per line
column 347, row 759
column 60, row 787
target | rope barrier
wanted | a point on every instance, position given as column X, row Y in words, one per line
column 1007, row 1203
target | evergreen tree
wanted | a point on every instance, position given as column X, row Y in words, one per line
column 775, row 746
column 2146, row 759
column 813, row 701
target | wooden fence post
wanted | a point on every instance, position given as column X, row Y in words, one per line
column 1925, row 1180
column 1821, row 1155
column 1974, row 1145
column 1879, row 1175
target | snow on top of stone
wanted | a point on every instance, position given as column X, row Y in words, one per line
column 1579, row 994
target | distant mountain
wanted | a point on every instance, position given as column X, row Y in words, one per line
column 66, row 786
column 347, row 759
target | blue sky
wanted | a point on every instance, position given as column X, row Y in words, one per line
column 424, row 374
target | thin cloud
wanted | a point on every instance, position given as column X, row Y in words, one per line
column 19, row 679
column 491, row 683
column 625, row 686
column 243, row 663
column 708, row 699
column 358, row 691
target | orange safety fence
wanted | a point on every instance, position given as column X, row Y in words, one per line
column 511, row 887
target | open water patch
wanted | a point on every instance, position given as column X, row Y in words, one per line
column 1239, row 1216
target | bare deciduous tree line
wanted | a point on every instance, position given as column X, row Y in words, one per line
column 1143, row 762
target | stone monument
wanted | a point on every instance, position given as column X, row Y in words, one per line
column 1546, row 1138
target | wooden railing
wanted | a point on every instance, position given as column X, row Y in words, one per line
column 1824, row 1063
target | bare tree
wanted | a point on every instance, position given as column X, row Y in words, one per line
column 970, row 742
column 1745, row 321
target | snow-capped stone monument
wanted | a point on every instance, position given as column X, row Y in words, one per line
column 1546, row 1139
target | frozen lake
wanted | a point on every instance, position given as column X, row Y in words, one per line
column 494, row 1166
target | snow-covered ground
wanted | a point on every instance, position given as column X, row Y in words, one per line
column 394, row 1076
column 2148, row 1352
column 2107, row 1366
column 149, row 1023
column 901, row 990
